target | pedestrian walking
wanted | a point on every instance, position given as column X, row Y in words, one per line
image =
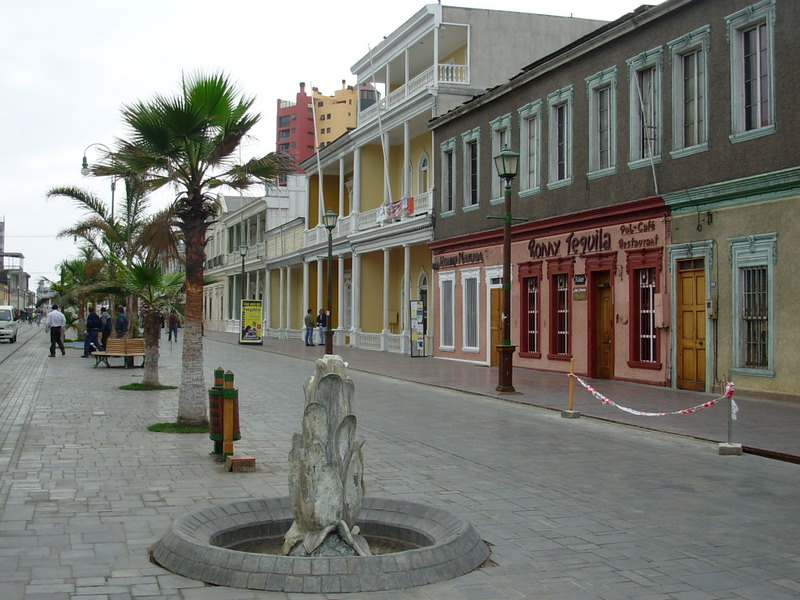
column 322, row 321
column 309, row 322
column 173, row 326
column 56, row 321
column 106, row 327
column 93, row 327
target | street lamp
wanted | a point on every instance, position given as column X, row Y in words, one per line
column 329, row 221
column 243, row 253
column 507, row 164
column 86, row 171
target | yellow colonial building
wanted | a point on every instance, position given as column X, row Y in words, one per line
column 378, row 176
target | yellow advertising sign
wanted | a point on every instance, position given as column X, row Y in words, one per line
column 250, row 322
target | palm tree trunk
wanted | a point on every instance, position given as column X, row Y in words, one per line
column 193, row 396
column 152, row 334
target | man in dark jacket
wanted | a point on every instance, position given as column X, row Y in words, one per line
column 121, row 326
column 93, row 326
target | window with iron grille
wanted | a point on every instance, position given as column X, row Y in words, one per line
column 531, row 337
column 560, row 317
column 646, row 314
column 755, row 317
column 753, row 259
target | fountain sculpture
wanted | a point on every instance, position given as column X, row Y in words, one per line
column 326, row 469
column 323, row 537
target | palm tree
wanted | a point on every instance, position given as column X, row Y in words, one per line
column 158, row 292
column 124, row 238
column 190, row 141
column 77, row 276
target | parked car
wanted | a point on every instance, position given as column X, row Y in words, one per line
column 8, row 324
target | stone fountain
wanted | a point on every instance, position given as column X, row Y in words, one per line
column 326, row 537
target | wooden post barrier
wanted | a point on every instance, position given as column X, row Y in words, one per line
column 228, row 395
column 569, row 413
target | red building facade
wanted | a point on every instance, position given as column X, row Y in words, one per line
column 294, row 131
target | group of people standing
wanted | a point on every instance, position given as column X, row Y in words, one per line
column 102, row 325
column 98, row 328
column 321, row 323
column 96, row 325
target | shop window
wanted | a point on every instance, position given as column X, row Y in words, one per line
column 753, row 259
column 446, row 310
column 644, row 310
column 469, row 288
column 644, row 268
column 559, row 272
column 560, row 289
column 530, row 275
column 750, row 35
column 531, row 339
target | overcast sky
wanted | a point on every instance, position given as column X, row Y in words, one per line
column 68, row 67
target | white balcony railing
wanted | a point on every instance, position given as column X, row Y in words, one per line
column 382, row 216
column 454, row 74
column 430, row 77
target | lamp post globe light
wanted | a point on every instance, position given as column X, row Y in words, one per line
column 329, row 221
column 86, row 171
column 507, row 165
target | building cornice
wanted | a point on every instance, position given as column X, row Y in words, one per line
column 580, row 47
column 757, row 188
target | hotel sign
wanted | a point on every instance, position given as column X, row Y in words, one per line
column 462, row 258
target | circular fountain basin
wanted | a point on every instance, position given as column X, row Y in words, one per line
column 203, row 545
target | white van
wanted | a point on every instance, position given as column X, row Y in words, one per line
column 8, row 324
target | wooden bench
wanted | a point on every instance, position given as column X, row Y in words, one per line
column 123, row 348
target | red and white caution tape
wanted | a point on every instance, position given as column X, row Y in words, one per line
column 729, row 389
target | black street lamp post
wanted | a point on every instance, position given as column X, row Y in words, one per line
column 507, row 163
column 329, row 220
column 243, row 253
column 86, row 171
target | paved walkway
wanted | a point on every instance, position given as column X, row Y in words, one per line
column 763, row 426
column 573, row 509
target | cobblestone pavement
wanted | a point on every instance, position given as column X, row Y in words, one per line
column 573, row 509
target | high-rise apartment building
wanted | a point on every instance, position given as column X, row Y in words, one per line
column 294, row 133
column 337, row 114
